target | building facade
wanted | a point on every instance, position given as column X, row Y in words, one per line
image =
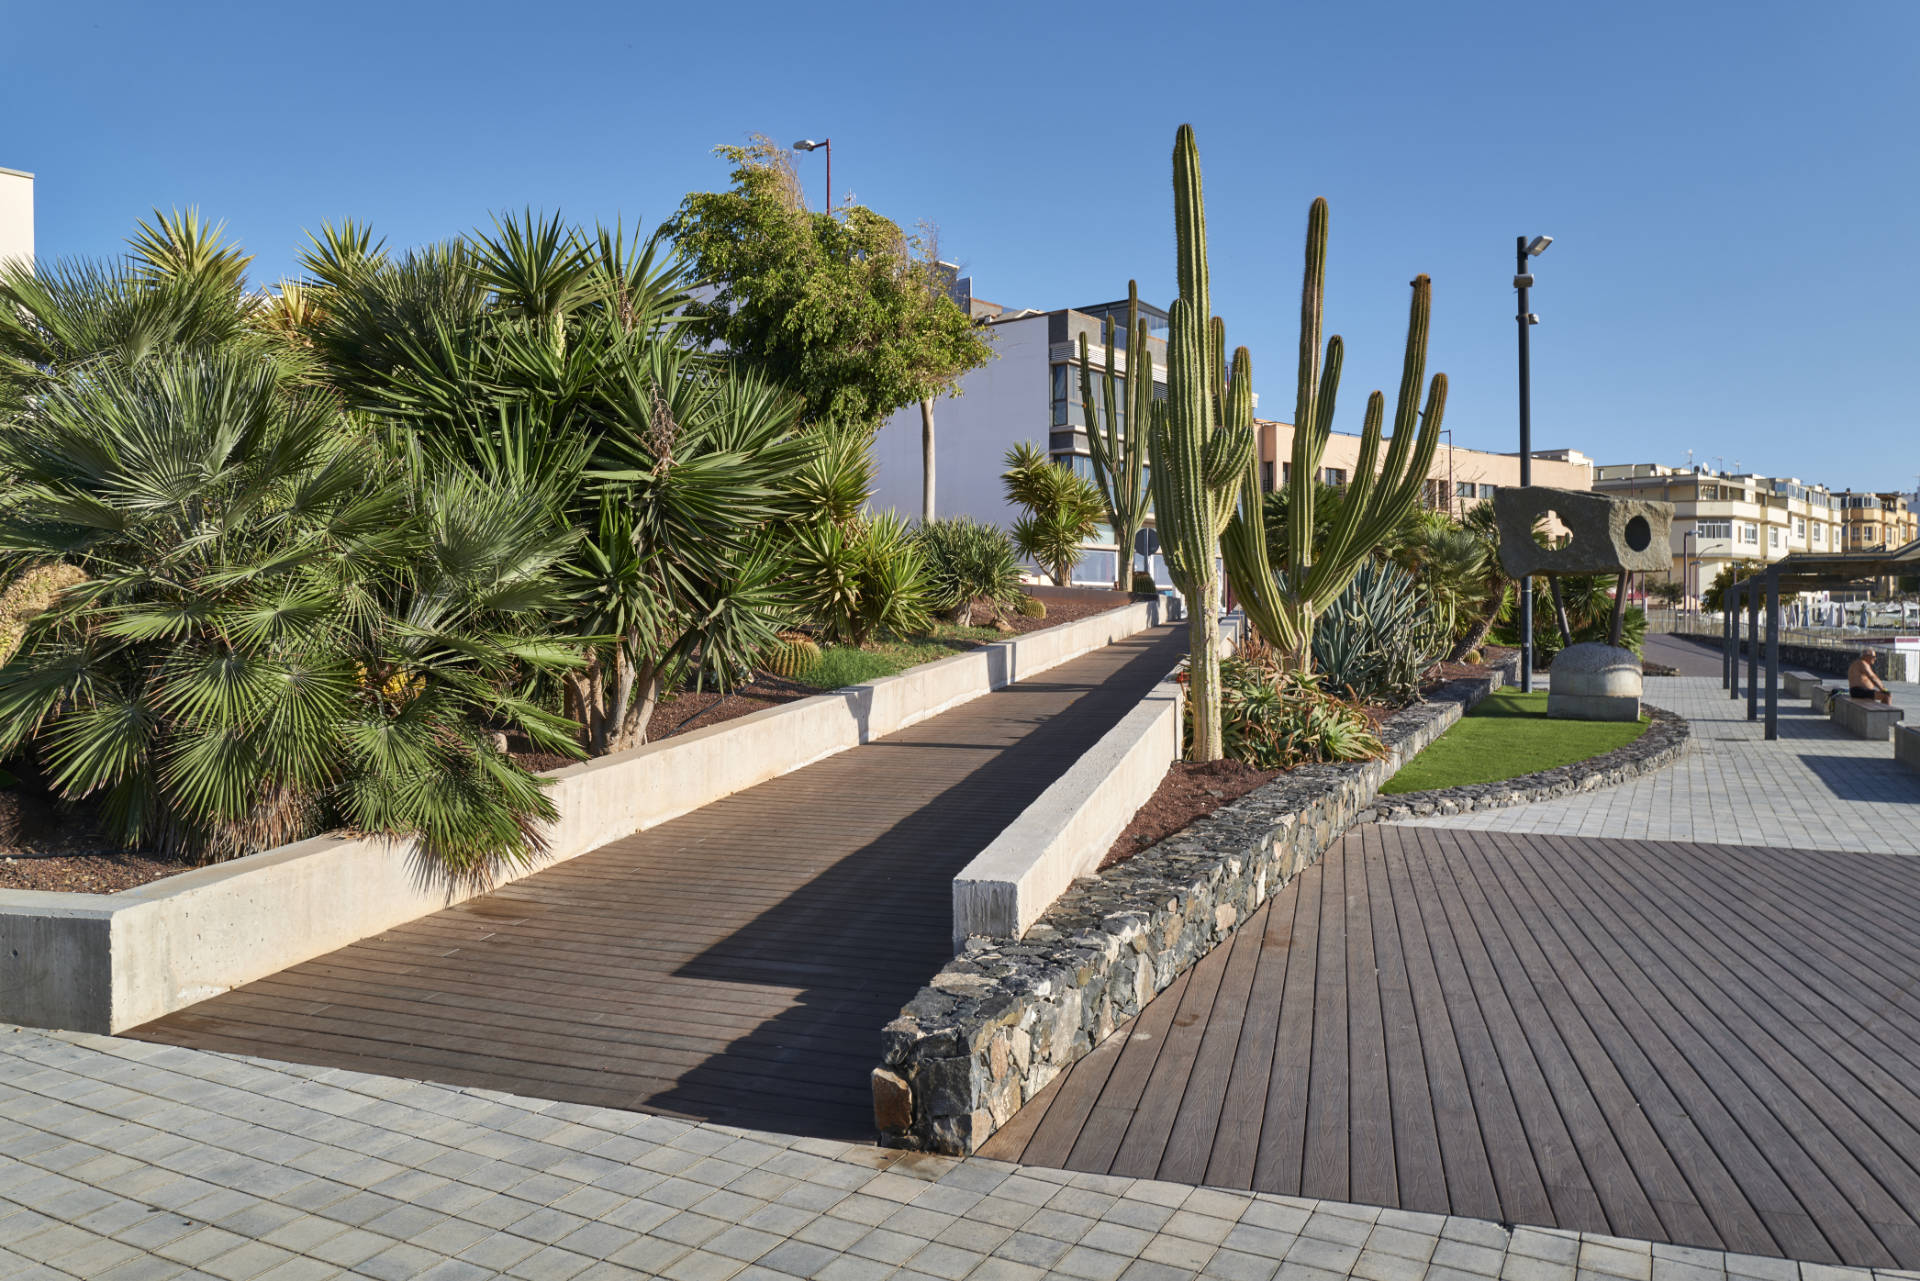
column 1721, row 519
column 16, row 215
column 1031, row 392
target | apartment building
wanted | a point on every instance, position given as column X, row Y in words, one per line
column 16, row 215
column 1878, row 519
column 1720, row 519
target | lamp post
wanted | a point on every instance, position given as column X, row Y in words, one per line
column 1524, row 249
column 1453, row 493
column 808, row 144
column 1688, row 555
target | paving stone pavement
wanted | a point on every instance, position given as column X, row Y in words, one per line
column 1814, row 787
column 132, row 1161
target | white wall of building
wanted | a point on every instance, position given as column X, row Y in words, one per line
column 1005, row 402
column 16, row 215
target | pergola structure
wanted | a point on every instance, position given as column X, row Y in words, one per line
column 1799, row 572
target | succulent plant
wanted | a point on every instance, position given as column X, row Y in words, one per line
column 1118, row 440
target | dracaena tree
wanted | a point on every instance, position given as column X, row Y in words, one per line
column 563, row 354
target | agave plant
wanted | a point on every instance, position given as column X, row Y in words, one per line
column 967, row 562
column 1378, row 637
column 279, row 629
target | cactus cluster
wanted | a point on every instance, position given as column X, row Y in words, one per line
column 1283, row 606
column 1118, row 442
column 1201, row 442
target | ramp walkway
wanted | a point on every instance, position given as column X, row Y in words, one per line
column 733, row 965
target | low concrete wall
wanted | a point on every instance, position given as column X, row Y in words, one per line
column 1066, row 832
column 103, row 963
column 1008, row 1015
column 1906, row 746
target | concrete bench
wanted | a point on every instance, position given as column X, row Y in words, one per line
column 1820, row 696
column 1802, row 684
column 1906, row 746
column 1865, row 718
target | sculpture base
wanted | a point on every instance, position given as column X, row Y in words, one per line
column 1595, row 682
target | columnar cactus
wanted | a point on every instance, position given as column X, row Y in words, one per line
column 1283, row 608
column 1202, row 443
column 1119, row 443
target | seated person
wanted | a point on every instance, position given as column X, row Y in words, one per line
column 1864, row 682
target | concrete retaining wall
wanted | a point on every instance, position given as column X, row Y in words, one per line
column 1066, row 832
column 1009, row 1014
column 103, row 963
column 1906, row 746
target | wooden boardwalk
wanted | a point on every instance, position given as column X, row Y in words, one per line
column 1708, row 1045
column 736, row 964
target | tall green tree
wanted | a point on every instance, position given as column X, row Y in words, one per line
column 842, row 307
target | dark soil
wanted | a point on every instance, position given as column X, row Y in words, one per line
column 697, row 709
column 1188, row 792
column 83, row 873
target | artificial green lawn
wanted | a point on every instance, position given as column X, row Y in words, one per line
column 1506, row 736
column 843, row 665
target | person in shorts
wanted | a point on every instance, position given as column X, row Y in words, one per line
column 1864, row 682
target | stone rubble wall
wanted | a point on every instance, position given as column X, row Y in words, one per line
column 1830, row 660
column 1006, row 1016
column 1666, row 738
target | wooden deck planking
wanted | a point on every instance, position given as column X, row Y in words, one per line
column 1687, row 1043
column 735, row 964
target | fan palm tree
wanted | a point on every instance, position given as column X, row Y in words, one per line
column 281, row 629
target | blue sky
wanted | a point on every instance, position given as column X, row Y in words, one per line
column 1731, row 186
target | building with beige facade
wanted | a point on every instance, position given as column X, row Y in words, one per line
column 1721, row 519
column 16, row 215
column 1457, row 480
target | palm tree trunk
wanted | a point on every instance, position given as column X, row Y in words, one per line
column 1478, row 636
column 1618, row 622
column 926, row 460
column 1560, row 610
column 645, row 697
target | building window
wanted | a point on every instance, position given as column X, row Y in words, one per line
column 1820, row 534
column 1266, row 477
column 1749, row 533
column 1799, row 530
column 1286, row 473
column 1334, row 475
column 1773, row 537
column 1715, row 531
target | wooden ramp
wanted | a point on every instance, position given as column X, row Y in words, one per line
column 1707, row 1045
column 736, row 964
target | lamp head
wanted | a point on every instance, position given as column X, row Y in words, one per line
column 805, row 144
column 1538, row 245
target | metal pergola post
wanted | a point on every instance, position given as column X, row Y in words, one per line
column 1733, row 602
column 1773, row 654
column 1753, row 648
column 1726, row 640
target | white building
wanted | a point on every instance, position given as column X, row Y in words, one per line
column 1029, row 392
column 16, row 215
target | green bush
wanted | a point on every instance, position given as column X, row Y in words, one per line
column 856, row 579
column 280, row 630
column 1375, row 641
column 1274, row 718
column 968, row 561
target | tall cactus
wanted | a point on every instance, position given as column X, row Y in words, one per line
column 1120, row 450
column 1202, row 442
column 1283, row 608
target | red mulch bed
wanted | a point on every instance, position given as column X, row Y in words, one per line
column 696, row 709
column 1188, row 792
column 83, row 873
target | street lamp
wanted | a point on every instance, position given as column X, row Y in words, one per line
column 808, row 144
column 1687, row 557
column 1524, row 249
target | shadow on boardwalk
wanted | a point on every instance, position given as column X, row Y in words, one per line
column 733, row 965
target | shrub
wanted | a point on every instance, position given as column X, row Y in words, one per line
column 968, row 561
column 855, row 579
column 1379, row 636
column 1274, row 718
column 280, row 630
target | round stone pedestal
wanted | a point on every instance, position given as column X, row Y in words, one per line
column 1595, row 682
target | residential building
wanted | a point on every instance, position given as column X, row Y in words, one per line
column 1031, row 392
column 1457, row 480
column 16, row 215
column 1721, row 519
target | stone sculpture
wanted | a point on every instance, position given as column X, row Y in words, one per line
column 1603, row 535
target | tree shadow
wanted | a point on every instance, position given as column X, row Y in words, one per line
column 1864, row 778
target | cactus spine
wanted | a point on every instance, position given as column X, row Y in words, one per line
column 1283, row 608
column 1120, row 452
column 1202, row 443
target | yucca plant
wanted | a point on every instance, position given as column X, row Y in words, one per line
column 967, row 562
column 1063, row 510
column 280, row 629
column 856, row 579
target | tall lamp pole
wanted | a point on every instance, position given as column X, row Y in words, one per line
column 808, row 144
column 1524, row 249
column 1687, row 557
